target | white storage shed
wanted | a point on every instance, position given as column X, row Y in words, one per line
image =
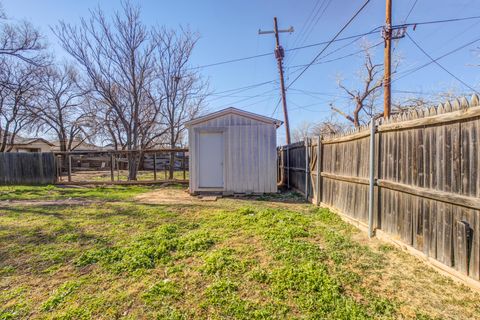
column 233, row 151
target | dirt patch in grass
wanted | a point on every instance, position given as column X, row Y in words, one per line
column 167, row 196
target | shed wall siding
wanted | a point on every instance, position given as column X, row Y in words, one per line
column 250, row 154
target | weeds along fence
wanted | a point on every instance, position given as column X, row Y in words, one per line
column 27, row 168
column 426, row 180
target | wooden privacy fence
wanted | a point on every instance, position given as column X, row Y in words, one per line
column 426, row 179
column 27, row 168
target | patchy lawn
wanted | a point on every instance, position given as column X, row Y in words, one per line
column 105, row 193
column 166, row 255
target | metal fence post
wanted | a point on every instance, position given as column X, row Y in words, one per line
column 288, row 167
column 307, row 167
column 372, row 178
column 319, row 170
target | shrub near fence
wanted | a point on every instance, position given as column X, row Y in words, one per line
column 427, row 181
column 27, row 168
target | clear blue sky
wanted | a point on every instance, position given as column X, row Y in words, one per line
column 228, row 30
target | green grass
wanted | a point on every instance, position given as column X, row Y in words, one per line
column 56, row 192
column 230, row 259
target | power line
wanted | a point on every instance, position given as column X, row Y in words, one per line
column 306, row 25
column 237, row 90
column 249, row 98
column 413, row 70
column 438, row 64
column 410, row 11
column 335, row 40
column 276, row 106
column 435, row 21
column 312, row 26
column 330, row 42
column 341, row 57
column 375, row 30
column 286, row 50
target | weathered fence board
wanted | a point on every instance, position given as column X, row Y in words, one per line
column 27, row 168
column 427, row 180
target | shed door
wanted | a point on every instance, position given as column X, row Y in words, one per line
column 211, row 160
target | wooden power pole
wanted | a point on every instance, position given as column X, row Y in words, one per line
column 280, row 54
column 387, row 34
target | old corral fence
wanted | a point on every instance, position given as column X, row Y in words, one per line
column 27, row 168
column 426, row 186
column 111, row 166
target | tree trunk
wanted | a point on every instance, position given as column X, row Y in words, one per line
column 172, row 155
column 132, row 158
column 172, row 165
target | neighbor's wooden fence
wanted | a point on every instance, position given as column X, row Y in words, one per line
column 427, row 180
column 27, row 168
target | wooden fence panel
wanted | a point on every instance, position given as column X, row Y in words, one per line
column 27, row 168
column 427, row 180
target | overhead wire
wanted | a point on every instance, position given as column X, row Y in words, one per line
column 410, row 11
column 330, row 42
column 341, row 57
column 286, row 50
column 305, row 26
column 413, row 70
column 309, row 30
column 336, row 40
column 440, row 65
column 436, row 21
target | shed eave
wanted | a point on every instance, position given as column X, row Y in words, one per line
column 232, row 110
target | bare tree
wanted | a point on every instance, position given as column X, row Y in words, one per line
column 118, row 59
column 21, row 41
column 16, row 99
column 183, row 90
column 302, row 131
column 62, row 108
column 365, row 97
column 314, row 129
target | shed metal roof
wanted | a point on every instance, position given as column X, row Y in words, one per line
column 232, row 110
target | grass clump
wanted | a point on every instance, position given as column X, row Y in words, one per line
column 60, row 295
column 221, row 262
column 162, row 290
column 157, row 247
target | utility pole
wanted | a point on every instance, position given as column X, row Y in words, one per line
column 387, row 35
column 280, row 54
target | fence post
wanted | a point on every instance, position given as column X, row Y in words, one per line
column 288, row 167
column 282, row 167
column 60, row 168
column 307, row 167
column 372, row 178
column 184, row 167
column 117, row 162
column 69, row 168
column 155, row 166
column 166, row 168
column 319, row 170
column 112, row 165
